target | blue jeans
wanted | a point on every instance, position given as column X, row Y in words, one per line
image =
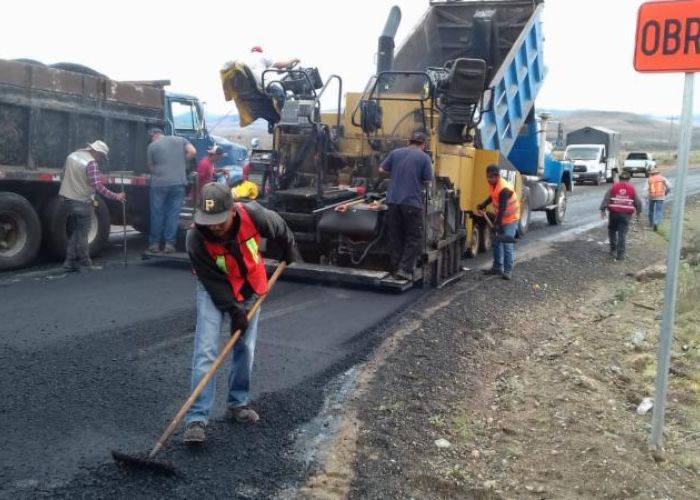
column 166, row 203
column 207, row 339
column 503, row 252
column 656, row 212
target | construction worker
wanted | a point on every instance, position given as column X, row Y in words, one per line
column 224, row 251
column 409, row 168
column 206, row 168
column 81, row 180
column 656, row 190
column 621, row 201
column 258, row 63
column 506, row 208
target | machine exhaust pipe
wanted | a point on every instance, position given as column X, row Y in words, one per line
column 385, row 49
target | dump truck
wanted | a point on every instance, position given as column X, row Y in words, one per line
column 593, row 151
column 46, row 112
column 467, row 76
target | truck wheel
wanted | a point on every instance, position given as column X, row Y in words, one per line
column 598, row 178
column 474, row 241
column 486, row 238
column 555, row 216
column 524, row 222
column 55, row 221
column 20, row 231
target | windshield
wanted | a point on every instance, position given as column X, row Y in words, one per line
column 637, row 156
column 582, row 154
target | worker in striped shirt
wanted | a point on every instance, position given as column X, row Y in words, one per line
column 81, row 180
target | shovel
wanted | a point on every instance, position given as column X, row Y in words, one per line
column 148, row 461
column 501, row 238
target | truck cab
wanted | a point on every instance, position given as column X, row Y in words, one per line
column 590, row 162
column 639, row 162
column 184, row 116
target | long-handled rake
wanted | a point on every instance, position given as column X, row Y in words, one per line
column 148, row 461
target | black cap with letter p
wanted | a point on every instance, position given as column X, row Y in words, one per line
column 215, row 203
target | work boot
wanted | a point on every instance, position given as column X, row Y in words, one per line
column 71, row 267
column 195, row 432
column 508, row 275
column 168, row 248
column 154, row 248
column 494, row 271
column 242, row 415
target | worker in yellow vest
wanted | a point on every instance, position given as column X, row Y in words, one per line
column 506, row 207
column 656, row 190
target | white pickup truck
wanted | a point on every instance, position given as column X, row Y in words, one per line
column 639, row 162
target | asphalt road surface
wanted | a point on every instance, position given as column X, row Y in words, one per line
column 98, row 361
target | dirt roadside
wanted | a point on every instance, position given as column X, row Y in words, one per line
column 530, row 388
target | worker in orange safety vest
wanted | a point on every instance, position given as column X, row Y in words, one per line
column 506, row 207
column 656, row 190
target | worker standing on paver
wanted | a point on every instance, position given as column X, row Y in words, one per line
column 506, row 206
column 656, row 190
column 409, row 169
column 621, row 201
column 81, row 180
column 224, row 251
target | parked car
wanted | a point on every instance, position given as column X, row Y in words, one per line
column 639, row 162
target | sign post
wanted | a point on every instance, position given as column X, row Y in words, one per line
column 668, row 40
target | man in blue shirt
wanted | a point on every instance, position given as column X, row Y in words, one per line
column 410, row 169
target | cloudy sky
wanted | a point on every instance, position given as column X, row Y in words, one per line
column 589, row 44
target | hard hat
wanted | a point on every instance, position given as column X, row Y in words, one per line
column 255, row 143
column 256, row 48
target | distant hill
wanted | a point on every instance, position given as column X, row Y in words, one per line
column 636, row 131
column 645, row 132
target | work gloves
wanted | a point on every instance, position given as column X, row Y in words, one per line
column 291, row 254
column 239, row 320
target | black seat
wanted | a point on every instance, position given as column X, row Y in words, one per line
column 460, row 92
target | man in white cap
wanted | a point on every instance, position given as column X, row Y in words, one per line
column 224, row 249
column 258, row 63
column 81, row 180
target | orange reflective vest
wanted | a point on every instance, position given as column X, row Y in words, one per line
column 252, row 270
column 657, row 187
column 512, row 212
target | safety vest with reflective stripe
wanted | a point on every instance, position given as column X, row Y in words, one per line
column 512, row 211
column 657, row 187
column 622, row 198
column 253, row 269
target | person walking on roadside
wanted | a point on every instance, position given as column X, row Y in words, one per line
column 621, row 201
column 410, row 169
column 506, row 205
column 167, row 157
column 81, row 180
column 223, row 247
column 656, row 190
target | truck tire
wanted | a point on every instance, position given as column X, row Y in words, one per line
column 524, row 222
column 55, row 222
column 598, row 178
column 474, row 241
column 555, row 216
column 20, row 231
column 486, row 238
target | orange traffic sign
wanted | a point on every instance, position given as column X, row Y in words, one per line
column 668, row 36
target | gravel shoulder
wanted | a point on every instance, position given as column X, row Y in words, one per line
column 530, row 388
